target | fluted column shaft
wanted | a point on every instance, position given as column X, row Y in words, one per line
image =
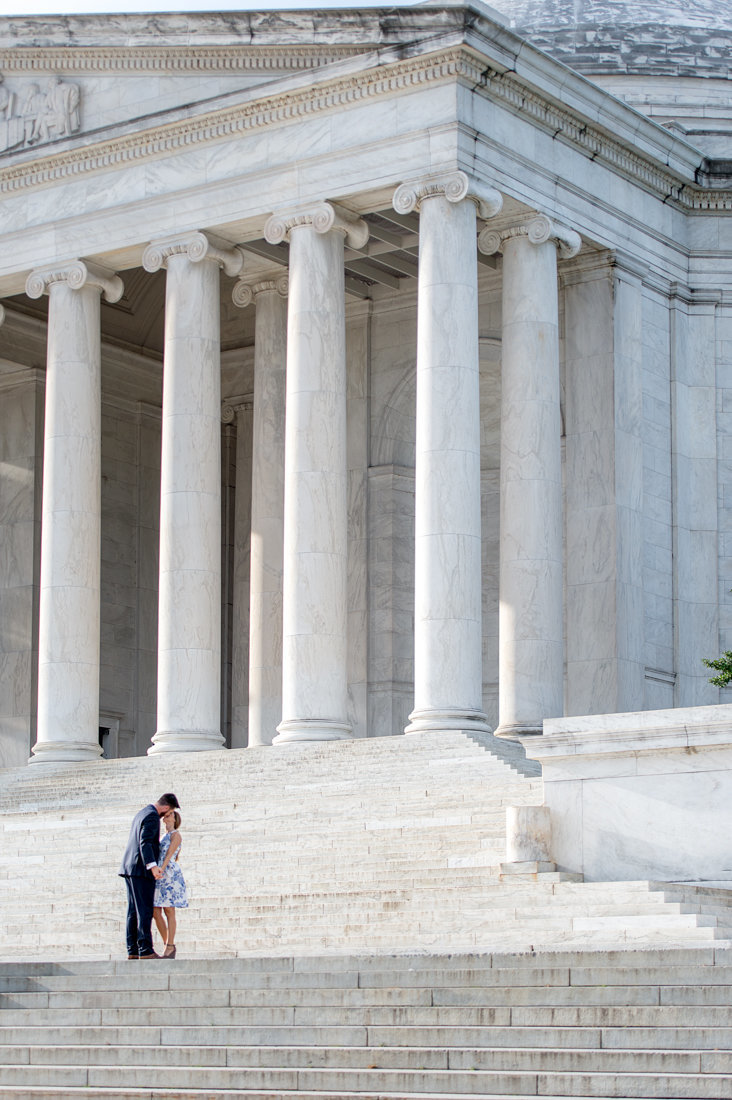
column 314, row 653
column 189, row 596
column 531, row 629
column 69, row 628
column 267, row 508
column 448, row 680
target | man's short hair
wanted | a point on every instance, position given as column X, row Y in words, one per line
column 169, row 800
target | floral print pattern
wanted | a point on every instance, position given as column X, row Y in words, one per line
column 170, row 890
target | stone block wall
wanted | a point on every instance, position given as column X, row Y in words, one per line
column 657, row 504
column 130, row 532
column 21, row 449
column 724, row 466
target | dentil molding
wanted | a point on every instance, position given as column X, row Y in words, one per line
column 172, row 59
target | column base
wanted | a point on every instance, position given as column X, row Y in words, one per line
column 435, row 721
column 188, row 741
column 310, row 729
column 514, row 731
column 60, row 752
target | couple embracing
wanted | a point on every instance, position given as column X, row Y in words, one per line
column 154, row 881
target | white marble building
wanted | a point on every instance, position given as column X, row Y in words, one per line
column 361, row 370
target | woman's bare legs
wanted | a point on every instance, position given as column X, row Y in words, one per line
column 160, row 923
column 172, row 924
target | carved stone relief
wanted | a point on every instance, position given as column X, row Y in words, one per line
column 38, row 113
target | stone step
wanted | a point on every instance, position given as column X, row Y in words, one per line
column 273, row 924
column 469, row 899
column 377, row 973
column 508, row 1058
column 112, row 1093
column 706, row 961
column 582, row 1037
column 447, row 996
column 385, row 1081
column 386, row 1015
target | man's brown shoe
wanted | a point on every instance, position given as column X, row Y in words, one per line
column 133, row 956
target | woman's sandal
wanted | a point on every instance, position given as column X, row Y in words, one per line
column 169, row 952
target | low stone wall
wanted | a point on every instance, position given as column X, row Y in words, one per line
column 640, row 795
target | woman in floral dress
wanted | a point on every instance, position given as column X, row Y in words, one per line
column 170, row 889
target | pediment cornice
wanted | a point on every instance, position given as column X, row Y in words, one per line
column 378, row 77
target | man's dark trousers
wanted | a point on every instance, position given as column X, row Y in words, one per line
column 143, row 848
column 140, row 895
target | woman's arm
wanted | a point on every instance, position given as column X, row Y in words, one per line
column 174, row 846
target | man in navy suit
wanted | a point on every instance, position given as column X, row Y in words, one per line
column 140, row 870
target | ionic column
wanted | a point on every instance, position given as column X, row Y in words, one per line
column 267, row 506
column 314, row 650
column 531, row 664
column 448, row 680
column 189, row 597
column 68, row 637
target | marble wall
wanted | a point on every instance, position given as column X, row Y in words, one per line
column 21, row 447
column 640, row 795
column 723, row 343
column 657, row 504
column 130, row 531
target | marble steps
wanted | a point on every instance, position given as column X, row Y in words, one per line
column 467, row 893
column 381, row 845
column 566, row 1060
column 230, row 926
column 326, row 763
column 322, row 835
column 531, row 1024
column 182, row 1082
column 301, row 998
column 482, row 1037
column 467, row 897
column 460, row 803
column 382, row 937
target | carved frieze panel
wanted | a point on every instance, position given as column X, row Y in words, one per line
column 34, row 113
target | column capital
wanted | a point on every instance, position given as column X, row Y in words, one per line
column 453, row 186
column 77, row 274
column 197, row 246
column 538, row 229
column 233, row 405
column 247, row 289
column 323, row 217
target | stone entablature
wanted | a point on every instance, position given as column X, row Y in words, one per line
column 665, row 166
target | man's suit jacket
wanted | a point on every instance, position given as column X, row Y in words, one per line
column 143, row 846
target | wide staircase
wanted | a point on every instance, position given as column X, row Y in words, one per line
column 351, row 932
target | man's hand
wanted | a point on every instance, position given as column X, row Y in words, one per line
column 156, row 872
